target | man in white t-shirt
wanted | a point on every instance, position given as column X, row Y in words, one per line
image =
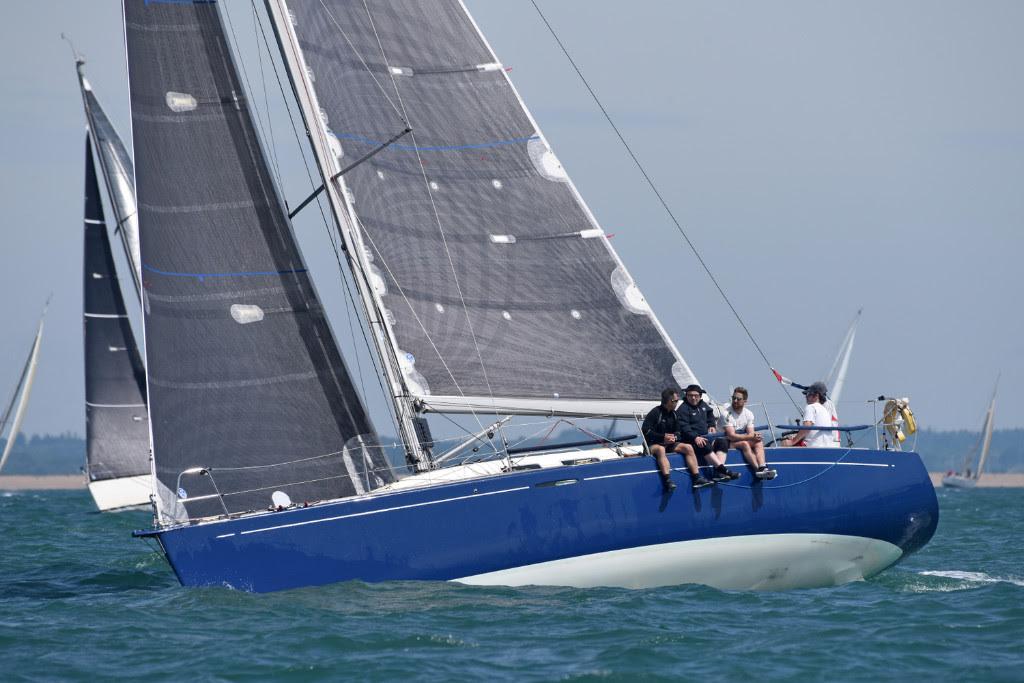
column 815, row 415
column 739, row 430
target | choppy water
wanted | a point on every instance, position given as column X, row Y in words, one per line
column 80, row 600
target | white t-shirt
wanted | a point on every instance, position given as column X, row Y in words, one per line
column 739, row 421
column 819, row 416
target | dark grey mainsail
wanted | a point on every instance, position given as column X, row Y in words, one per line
column 118, row 173
column 116, row 426
column 499, row 289
column 248, row 392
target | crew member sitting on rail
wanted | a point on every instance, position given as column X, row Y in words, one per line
column 699, row 429
column 739, row 430
column 661, row 432
column 815, row 415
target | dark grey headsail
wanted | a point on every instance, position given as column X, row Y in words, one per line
column 118, row 173
column 116, row 421
column 248, row 391
column 499, row 288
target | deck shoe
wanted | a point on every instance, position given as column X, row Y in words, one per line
column 724, row 474
column 700, row 482
column 763, row 472
column 667, row 484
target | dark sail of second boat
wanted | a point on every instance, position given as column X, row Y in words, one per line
column 117, row 431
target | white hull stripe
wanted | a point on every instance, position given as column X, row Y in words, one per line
column 377, row 512
column 115, row 405
column 104, row 315
column 743, row 464
column 93, row 221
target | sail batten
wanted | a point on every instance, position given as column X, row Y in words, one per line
column 248, row 392
column 493, row 276
column 117, row 429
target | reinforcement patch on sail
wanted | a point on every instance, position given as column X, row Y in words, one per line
column 249, row 394
column 496, row 278
column 116, row 424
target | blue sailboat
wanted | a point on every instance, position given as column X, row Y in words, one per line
column 488, row 289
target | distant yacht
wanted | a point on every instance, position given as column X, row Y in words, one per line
column 968, row 479
column 117, row 424
column 14, row 412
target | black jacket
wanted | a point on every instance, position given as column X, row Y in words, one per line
column 694, row 421
column 658, row 423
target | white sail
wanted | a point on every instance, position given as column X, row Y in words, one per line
column 28, row 376
column 986, row 439
column 837, row 374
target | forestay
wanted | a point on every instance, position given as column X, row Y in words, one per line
column 248, row 392
column 498, row 288
column 116, row 420
column 118, row 173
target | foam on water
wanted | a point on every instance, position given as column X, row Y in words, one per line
column 971, row 577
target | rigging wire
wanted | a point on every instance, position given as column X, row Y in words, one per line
column 657, row 193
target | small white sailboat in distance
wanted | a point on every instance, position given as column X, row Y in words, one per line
column 968, row 479
column 22, row 391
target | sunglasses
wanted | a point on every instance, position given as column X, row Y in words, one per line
column 738, row 398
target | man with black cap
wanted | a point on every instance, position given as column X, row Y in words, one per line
column 815, row 415
column 661, row 432
column 698, row 427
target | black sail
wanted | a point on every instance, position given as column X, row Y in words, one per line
column 496, row 279
column 248, row 391
column 116, row 423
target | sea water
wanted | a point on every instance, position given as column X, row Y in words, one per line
column 81, row 600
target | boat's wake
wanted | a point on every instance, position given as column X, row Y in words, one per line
column 960, row 580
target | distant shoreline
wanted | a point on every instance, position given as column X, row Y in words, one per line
column 48, row 482
column 67, row 482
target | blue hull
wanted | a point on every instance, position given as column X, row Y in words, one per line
column 539, row 516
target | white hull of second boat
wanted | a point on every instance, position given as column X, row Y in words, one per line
column 958, row 482
column 762, row 562
column 122, row 493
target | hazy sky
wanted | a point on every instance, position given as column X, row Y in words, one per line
column 823, row 156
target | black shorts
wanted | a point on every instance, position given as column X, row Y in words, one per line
column 715, row 444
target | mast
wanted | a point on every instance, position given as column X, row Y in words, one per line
column 28, row 375
column 345, row 218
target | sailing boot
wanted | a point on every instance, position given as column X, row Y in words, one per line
column 700, row 482
column 667, row 485
column 722, row 473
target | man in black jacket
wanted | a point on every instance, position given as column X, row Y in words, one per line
column 661, row 432
column 698, row 428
